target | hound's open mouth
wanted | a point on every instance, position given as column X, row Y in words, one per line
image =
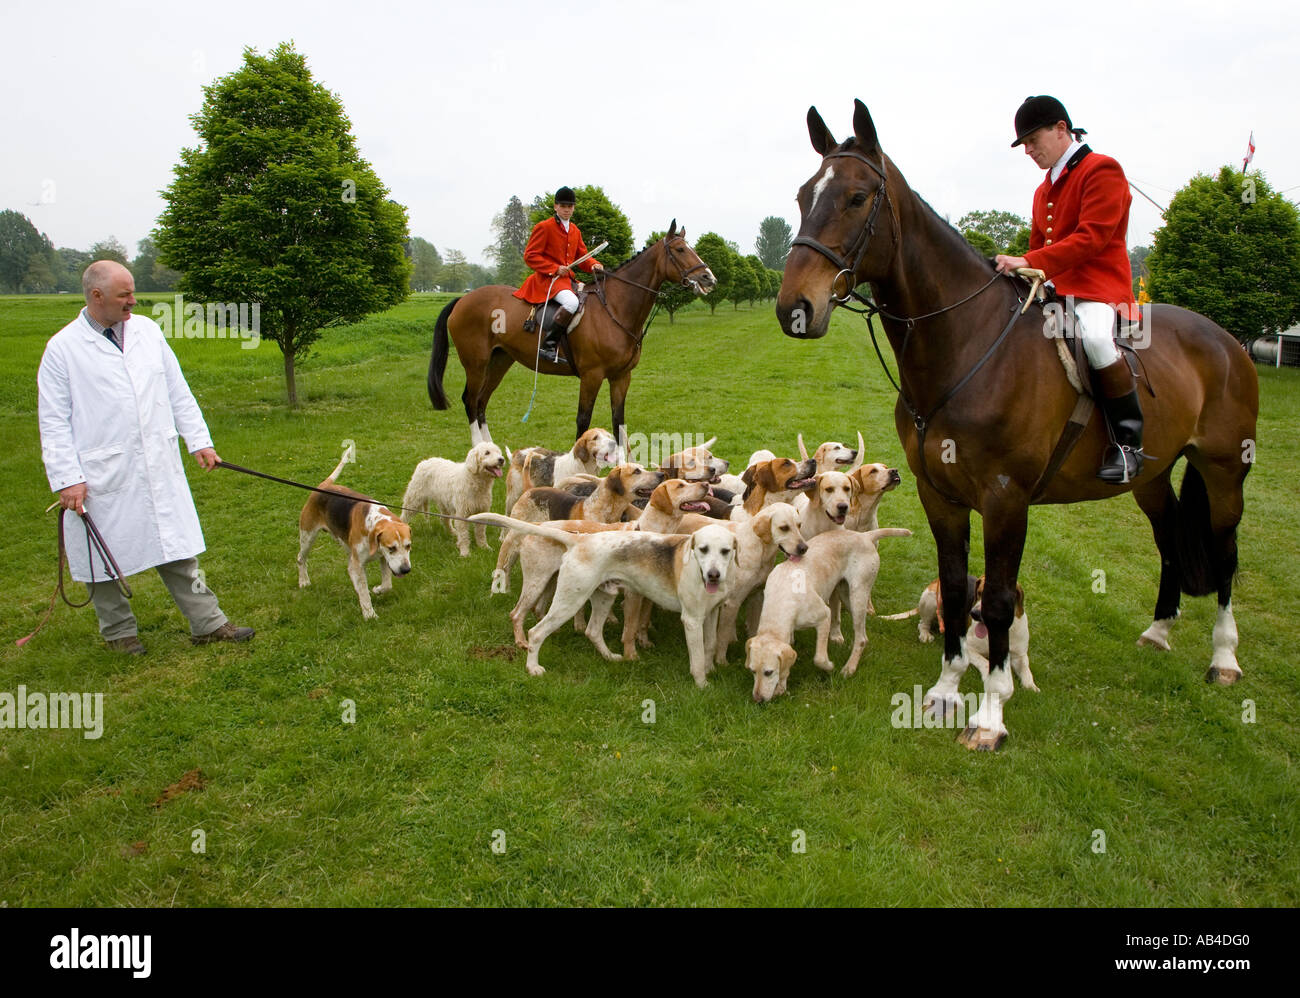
column 841, row 462
column 837, row 518
column 494, row 472
column 793, row 557
column 694, row 506
column 799, row 484
column 710, row 587
column 646, row 492
column 981, row 631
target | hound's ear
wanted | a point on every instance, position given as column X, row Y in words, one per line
column 762, row 524
column 374, row 542
column 616, row 484
column 787, row 657
column 864, row 128
column 672, row 229
column 822, row 139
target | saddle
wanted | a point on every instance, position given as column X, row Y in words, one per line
column 543, row 316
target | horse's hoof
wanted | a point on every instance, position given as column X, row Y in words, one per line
column 981, row 739
column 1222, row 676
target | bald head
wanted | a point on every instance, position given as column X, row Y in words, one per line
column 110, row 292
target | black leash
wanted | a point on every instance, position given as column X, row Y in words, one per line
column 344, row 495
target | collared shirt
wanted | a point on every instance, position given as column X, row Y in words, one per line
column 563, row 222
column 118, row 330
column 1075, row 146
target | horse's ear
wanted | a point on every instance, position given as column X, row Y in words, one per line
column 822, row 139
column 864, row 128
column 672, row 229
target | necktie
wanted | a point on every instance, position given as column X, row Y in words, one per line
column 112, row 337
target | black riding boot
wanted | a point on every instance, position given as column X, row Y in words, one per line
column 1119, row 401
column 550, row 348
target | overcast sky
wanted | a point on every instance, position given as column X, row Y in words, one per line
column 689, row 110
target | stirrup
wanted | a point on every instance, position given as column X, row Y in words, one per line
column 1131, row 460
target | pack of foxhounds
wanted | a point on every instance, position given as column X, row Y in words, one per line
column 790, row 542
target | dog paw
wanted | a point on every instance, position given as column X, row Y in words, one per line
column 837, row 639
column 369, row 614
column 826, row 665
column 849, row 670
column 536, row 670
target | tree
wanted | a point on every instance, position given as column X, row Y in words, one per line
column 150, row 275
column 759, row 273
column 774, row 278
column 598, row 218
column 507, row 252
column 672, row 296
column 712, row 249
column 1000, row 226
column 26, row 255
column 744, row 285
column 69, row 265
column 110, row 249
column 277, row 207
column 1137, row 263
column 426, row 265
column 982, row 242
column 455, row 272
column 479, row 275
column 773, row 242
column 1230, row 249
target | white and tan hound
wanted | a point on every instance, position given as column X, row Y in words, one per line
column 533, row 466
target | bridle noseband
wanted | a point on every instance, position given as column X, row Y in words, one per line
column 859, row 248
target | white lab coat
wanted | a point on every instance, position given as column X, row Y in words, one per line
column 111, row 419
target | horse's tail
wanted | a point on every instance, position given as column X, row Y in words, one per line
column 1201, row 570
column 438, row 359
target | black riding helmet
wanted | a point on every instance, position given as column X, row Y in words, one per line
column 1041, row 112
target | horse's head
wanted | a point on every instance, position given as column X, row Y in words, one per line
column 848, row 232
column 681, row 263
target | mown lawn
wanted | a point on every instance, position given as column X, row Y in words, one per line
column 454, row 749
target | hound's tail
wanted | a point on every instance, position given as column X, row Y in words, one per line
column 902, row 616
column 438, row 359
column 349, row 455
column 875, row 535
column 540, row 529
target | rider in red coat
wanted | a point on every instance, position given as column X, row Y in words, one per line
column 1078, row 239
column 554, row 244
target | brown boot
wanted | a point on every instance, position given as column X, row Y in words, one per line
column 1119, row 401
column 226, row 632
column 130, row 645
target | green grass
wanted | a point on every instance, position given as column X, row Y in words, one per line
column 453, row 742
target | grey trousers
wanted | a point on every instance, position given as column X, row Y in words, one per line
column 195, row 599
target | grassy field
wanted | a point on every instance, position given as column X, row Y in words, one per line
column 462, row 781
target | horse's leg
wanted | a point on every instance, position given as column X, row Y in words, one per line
column 587, row 392
column 1005, row 522
column 950, row 526
column 617, row 396
column 1223, row 484
column 497, row 366
column 1156, row 499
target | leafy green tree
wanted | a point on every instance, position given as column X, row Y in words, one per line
column 507, row 252
column 773, row 242
column 598, row 218
column 150, row 275
column 671, row 296
column 744, row 285
column 479, row 275
column 455, row 272
column 1230, row 249
column 759, row 273
column 1019, row 246
column 110, row 249
column 25, row 255
column 69, row 265
column 1001, row 227
column 712, row 249
column 426, row 265
column 982, row 243
column 277, row 207
column 774, row 278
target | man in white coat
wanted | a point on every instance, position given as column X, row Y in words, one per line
column 112, row 401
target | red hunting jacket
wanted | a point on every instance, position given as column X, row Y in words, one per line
column 1079, row 230
column 549, row 248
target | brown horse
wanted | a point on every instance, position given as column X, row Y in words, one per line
column 979, row 436
column 487, row 326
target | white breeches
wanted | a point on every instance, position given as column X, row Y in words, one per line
column 1095, row 321
column 569, row 302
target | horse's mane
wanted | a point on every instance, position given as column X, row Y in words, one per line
column 945, row 229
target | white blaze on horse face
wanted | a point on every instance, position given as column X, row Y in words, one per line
column 821, row 186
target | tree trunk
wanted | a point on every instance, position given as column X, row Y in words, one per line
column 287, row 348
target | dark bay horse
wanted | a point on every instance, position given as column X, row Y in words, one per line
column 984, row 444
column 487, row 326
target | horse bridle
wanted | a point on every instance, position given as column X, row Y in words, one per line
column 859, row 248
column 682, row 273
